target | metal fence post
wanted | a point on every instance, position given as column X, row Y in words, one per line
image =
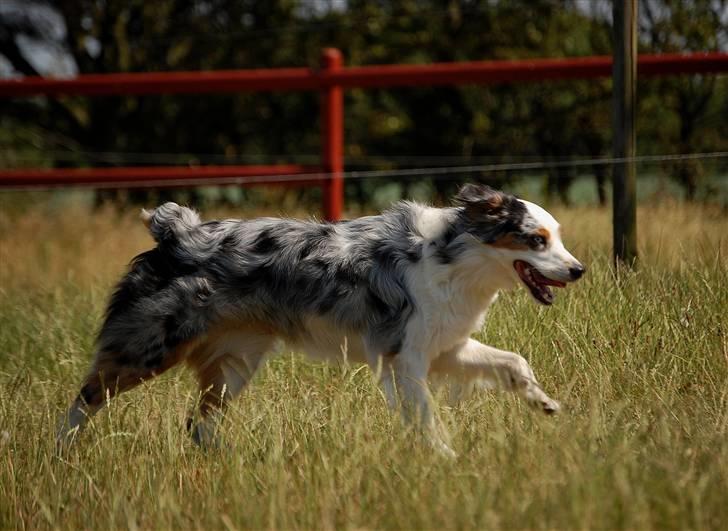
column 332, row 138
column 624, row 197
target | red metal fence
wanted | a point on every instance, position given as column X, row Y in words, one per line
column 330, row 80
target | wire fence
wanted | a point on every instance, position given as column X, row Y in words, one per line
column 455, row 172
column 118, row 157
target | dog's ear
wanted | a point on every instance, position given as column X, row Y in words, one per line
column 480, row 200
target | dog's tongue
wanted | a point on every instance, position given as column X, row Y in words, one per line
column 537, row 283
column 544, row 281
column 524, row 268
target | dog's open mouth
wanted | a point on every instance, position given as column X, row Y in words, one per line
column 536, row 282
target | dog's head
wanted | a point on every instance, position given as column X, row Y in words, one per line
column 522, row 236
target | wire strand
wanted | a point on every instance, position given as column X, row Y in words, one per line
column 442, row 173
column 120, row 157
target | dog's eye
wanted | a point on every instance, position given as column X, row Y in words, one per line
column 536, row 240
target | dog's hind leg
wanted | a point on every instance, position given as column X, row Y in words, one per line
column 502, row 369
column 110, row 374
column 225, row 363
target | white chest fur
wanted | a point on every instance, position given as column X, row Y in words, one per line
column 449, row 311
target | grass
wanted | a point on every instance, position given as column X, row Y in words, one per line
column 640, row 363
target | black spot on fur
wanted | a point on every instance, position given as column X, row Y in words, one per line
column 315, row 241
column 202, row 292
column 329, row 300
column 253, row 279
column 378, row 304
column 446, row 249
column 90, row 395
column 185, row 321
column 384, row 255
column 265, row 243
column 325, row 229
column 318, row 265
column 154, row 362
column 389, row 254
column 307, row 248
column 414, row 253
column 230, row 243
column 173, row 330
column 444, row 256
column 348, row 276
column 149, row 273
column 447, row 255
column 489, row 214
column 123, row 360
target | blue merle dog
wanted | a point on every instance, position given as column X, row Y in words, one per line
column 401, row 291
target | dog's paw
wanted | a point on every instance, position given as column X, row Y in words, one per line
column 447, row 452
column 551, row 407
column 204, row 436
column 442, row 448
column 547, row 405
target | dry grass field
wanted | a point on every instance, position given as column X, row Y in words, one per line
column 639, row 360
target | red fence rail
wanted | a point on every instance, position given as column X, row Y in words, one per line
column 330, row 80
column 164, row 175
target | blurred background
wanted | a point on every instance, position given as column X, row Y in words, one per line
column 385, row 129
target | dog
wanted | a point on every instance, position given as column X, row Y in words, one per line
column 401, row 291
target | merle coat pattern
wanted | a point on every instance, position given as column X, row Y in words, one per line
column 401, row 291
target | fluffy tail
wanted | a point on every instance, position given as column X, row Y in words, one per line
column 170, row 222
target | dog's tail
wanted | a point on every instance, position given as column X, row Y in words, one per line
column 170, row 222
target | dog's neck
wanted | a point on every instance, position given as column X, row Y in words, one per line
column 462, row 268
column 478, row 273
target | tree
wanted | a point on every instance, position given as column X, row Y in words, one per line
column 384, row 128
column 682, row 109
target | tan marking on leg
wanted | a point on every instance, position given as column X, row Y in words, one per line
column 231, row 347
column 110, row 372
column 225, row 361
column 110, row 375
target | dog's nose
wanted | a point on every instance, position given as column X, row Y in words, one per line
column 577, row 271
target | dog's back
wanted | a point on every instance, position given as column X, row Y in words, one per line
column 213, row 291
column 278, row 272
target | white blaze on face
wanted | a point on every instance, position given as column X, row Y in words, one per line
column 543, row 218
column 555, row 260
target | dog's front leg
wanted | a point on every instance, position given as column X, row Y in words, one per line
column 505, row 370
column 409, row 373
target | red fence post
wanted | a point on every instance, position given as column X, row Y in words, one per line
column 332, row 137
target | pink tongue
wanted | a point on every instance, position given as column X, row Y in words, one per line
column 547, row 281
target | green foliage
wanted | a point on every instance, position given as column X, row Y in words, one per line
column 384, row 128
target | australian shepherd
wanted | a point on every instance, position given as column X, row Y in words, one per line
column 401, row 291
